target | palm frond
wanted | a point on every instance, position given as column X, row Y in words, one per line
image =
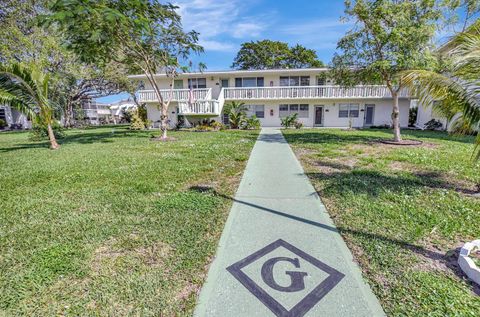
column 453, row 97
column 24, row 89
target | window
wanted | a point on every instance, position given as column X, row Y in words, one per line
column 304, row 81
column 283, row 111
column 286, row 110
column 303, row 111
column 320, row 81
column 349, row 110
column 343, row 112
column 257, row 110
column 224, row 83
column 197, row 83
column 3, row 116
column 178, row 84
column 225, row 118
column 294, row 81
column 249, row 82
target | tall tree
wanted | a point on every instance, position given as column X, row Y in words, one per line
column 269, row 54
column 388, row 36
column 27, row 90
column 453, row 91
column 71, row 81
column 142, row 35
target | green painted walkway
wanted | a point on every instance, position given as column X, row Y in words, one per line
column 280, row 254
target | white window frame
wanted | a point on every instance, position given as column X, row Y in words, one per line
column 194, row 82
column 257, row 80
column 294, row 108
column 352, row 110
column 294, row 80
column 257, row 110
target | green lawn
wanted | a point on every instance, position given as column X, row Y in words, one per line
column 112, row 224
column 403, row 211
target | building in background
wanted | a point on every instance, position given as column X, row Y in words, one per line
column 271, row 95
column 13, row 118
column 118, row 109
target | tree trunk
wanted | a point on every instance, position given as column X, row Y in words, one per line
column 396, row 117
column 69, row 115
column 53, row 142
column 164, row 121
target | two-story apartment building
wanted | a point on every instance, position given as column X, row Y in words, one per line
column 273, row 94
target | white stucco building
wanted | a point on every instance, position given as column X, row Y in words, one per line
column 273, row 94
column 14, row 118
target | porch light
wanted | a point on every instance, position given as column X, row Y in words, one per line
column 271, row 112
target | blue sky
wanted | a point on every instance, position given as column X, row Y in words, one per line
column 225, row 24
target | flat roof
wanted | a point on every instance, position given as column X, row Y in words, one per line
column 244, row 72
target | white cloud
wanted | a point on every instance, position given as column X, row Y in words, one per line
column 247, row 30
column 217, row 20
column 319, row 34
column 212, row 45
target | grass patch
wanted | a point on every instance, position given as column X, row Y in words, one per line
column 108, row 224
column 403, row 211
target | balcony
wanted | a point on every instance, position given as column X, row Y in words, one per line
column 199, row 107
column 177, row 94
column 309, row 92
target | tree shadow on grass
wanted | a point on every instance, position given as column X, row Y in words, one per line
column 86, row 137
column 357, row 137
column 373, row 182
column 448, row 259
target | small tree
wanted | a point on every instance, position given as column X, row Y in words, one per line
column 289, row 120
column 236, row 114
column 142, row 35
column 453, row 92
column 388, row 37
column 27, row 89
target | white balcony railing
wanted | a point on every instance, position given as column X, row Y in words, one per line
column 310, row 92
column 177, row 94
column 199, row 107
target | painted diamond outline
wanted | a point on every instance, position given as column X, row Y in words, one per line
column 304, row 305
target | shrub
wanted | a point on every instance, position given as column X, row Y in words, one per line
column 298, row 124
column 251, row 123
column 217, row 126
column 127, row 115
column 383, row 126
column 142, row 113
column 3, row 123
column 433, row 125
column 39, row 132
column 204, row 128
column 236, row 114
column 289, row 121
column 412, row 116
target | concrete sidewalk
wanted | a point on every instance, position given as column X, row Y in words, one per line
column 280, row 254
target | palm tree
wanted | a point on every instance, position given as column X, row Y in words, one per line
column 236, row 114
column 454, row 93
column 26, row 89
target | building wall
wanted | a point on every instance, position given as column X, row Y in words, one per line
column 426, row 114
column 153, row 113
column 214, row 81
column 382, row 113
